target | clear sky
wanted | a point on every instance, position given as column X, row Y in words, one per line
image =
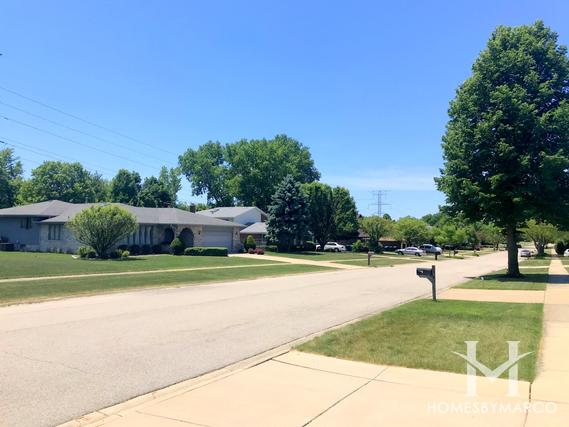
column 364, row 84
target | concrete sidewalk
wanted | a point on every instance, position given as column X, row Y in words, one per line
column 300, row 389
column 552, row 380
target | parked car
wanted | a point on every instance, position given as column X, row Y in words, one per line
column 334, row 247
column 566, row 253
column 390, row 248
column 525, row 253
column 431, row 249
column 411, row 250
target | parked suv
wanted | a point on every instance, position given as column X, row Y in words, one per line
column 431, row 249
column 334, row 247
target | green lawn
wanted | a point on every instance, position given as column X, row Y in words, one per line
column 534, row 279
column 28, row 264
column 321, row 256
column 15, row 292
column 422, row 334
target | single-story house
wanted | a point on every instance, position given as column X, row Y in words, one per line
column 250, row 216
column 41, row 227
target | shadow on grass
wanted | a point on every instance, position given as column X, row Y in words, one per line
column 528, row 277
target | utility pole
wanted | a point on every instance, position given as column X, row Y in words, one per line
column 379, row 195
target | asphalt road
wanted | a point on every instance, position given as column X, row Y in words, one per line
column 62, row 359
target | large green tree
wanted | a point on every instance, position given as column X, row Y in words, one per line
column 171, row 181
column 125, row 187
column 102, row 227
column 10, row 177
column 376, row 227
column 320, row 211
column 540, row 233
column 288, row 215
column 345, row 213
column 247, row 171
column 208, row 173
column 154, row 194
column 68, row 182
column 506, row 148
column 412, row 231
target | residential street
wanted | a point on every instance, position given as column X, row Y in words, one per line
column 62, row 359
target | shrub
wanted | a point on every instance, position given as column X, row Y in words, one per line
column 85, row 252
column 177, row 246
column 251, row 251
column 157, row 249
column 271, row 248
column 117, row 253
column 134, row 249
column 260, row 251
column 209, row 251
column 125, row 254
column 122, row 247
column 357, row 246
column 309, row 247
column 560, row 247
column 146, row 249
column 250, row 243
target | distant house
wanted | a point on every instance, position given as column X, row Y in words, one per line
column 41, row 227
column 250, row 216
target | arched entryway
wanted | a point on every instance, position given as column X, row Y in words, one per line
column 168, row 236
column 187, row 237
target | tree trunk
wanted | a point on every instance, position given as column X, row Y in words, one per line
column 540, row 249
column 513, row 266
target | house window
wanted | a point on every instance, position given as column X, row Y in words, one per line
column 26, row 223
column 54, row 232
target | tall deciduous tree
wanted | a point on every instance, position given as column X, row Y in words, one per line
column 540, row 233
column 10, row 177
column 376, row 227
column 288, row 215
column 171, row 181
column 412, row 231
column 154, row 194
column 208, row 173
column 321, row 211
column 68, row 182
column 101, row 227
column 451, row 235
column 506, row 148
column 125, row 187
column 345, row 213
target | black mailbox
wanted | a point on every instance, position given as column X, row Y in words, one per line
column 425, row 272
column 430, row 274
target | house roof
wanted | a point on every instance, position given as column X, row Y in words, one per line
column 255, row 228
column 60, row 212
column 229, row 212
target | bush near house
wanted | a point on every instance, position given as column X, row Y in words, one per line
column 134, row 249
column 156, row 249
column 86, row 252
column 177, row 246
column 250, row 243
column 210, row 251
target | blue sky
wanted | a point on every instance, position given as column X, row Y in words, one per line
column 365, row 85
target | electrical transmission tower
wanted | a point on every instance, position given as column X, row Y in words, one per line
column 379, row 196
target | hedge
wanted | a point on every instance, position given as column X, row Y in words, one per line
column 209, row 251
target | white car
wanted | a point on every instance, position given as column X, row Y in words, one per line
column 525, row 253
column 411, row 250
column 334, row 247
column 566, row 253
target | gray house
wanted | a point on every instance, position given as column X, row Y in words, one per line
column 251, row 216
column 41, row 227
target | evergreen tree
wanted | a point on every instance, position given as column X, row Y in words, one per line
column 288, row 215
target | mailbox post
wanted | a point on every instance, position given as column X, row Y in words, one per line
column 369, row 255
column 430, row 274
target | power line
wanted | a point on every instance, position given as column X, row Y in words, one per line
column 76, row 130
column 42, row 152
column 161, row 149
column 75, row 141
column 379, row 195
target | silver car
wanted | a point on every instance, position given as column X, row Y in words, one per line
column 411, row 250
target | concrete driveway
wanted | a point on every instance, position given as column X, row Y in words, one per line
column 62, row 359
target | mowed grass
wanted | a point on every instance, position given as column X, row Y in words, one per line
column 321, row 256
column 423, row 334
column 535, row 279
column 16, row 292
column 28, row 264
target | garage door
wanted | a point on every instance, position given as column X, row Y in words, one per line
column 218, row 236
